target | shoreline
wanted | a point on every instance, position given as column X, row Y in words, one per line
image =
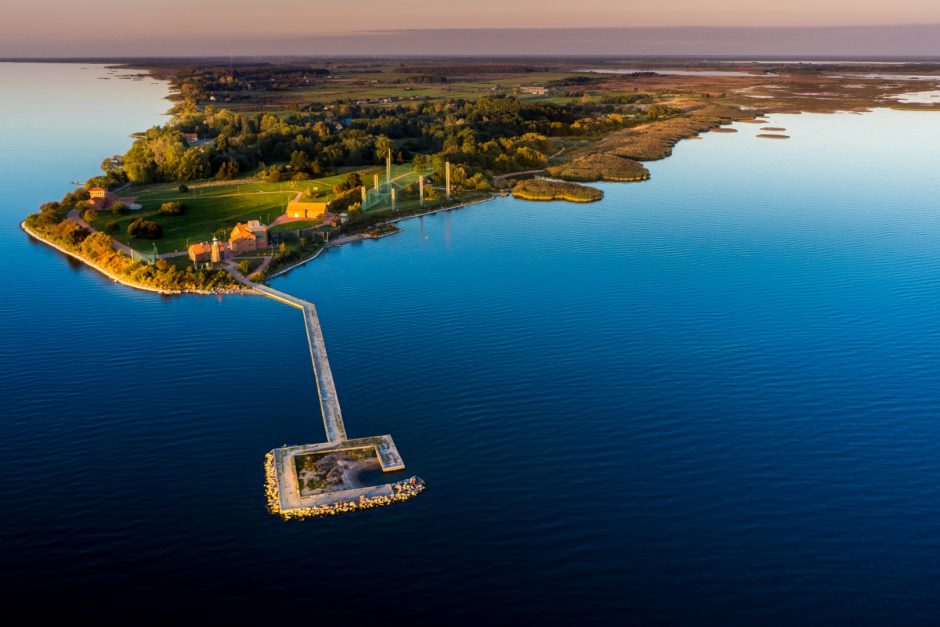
column 349, row 239
column 358, row 237
column 118, row 279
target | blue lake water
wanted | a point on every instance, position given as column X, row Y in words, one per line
column 711, row 398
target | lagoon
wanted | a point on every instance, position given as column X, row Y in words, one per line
column 710, row 397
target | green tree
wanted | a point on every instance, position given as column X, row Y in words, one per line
column 193, row 164
column 349, row 182
column 172, row 208
column 382, row 145
column 144, row 229
column 299, row 161
column 227, row 171
column 49, row 214
column 139, row 164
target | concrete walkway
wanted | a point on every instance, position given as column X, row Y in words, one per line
column 326, row 388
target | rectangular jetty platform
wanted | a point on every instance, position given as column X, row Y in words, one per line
column 288, row 494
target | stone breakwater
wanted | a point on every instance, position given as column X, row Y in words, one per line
column 401, row 491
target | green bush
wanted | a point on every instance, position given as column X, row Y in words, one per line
column 183, row 188
column 172, row 209
column 350, row 182
column 145, row 229
column 90, row 215
column 119, row 208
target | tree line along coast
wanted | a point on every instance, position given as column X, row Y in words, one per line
column 314, row 152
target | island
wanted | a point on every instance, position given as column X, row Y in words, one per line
column 545, row 189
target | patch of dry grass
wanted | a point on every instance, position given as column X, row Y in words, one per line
column 600, row 167
column 656, row 140
column 542, row 189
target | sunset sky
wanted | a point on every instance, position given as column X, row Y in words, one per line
column 179, row 27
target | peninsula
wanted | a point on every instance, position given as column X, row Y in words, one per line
column 263, row 165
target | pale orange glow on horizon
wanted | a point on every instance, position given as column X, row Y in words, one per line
column 59, row 27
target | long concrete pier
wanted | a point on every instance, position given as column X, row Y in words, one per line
column 326, row 389
column 286, row 497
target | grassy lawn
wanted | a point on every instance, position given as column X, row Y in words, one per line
column 163, row 192
column 215, row 205
column 289, row 227
column 202, row 218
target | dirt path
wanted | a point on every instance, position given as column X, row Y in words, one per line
column 76, row 216
column 502, row 177
column 266, row 261
column 237, row 195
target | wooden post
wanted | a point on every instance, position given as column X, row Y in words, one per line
column 376, row 182
column 421, row 190
column 394, row 199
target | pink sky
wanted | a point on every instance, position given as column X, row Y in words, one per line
column 181, row 27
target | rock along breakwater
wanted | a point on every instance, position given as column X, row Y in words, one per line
column 400, row 492
column 285, row 492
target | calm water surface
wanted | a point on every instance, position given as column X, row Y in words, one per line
column 711, row 398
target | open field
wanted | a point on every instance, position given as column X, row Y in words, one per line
column 386, row 84
column 296, row 225
column 204, row 218
column 600, row 167
column 212, row 208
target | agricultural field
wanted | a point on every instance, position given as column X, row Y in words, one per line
column 354, row 84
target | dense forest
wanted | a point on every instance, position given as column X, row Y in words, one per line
column 483, row 137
